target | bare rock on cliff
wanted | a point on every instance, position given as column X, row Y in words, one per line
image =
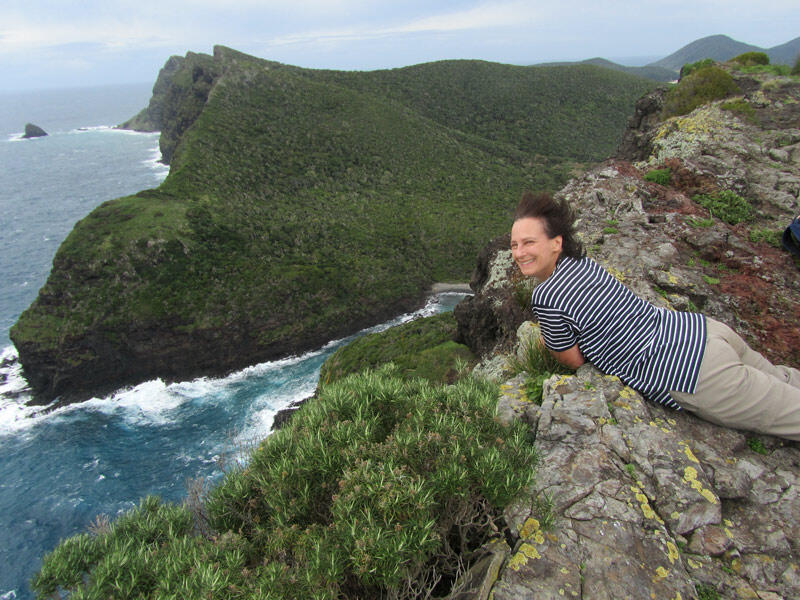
column 646, row 502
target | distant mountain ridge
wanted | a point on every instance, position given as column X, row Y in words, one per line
column 722, row 47
column 717, row 47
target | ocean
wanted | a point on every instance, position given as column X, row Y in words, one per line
column 60, row 469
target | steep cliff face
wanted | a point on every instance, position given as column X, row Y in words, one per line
column 179, row 96
column 647, row 502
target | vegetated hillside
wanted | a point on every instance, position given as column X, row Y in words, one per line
column 786, row 53
column 722, row 48
column 568, row 111
column 648, row 72
column 300, row 206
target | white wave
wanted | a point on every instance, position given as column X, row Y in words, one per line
column 154, row 162
column 155, row 402
column 10, row 595
column 89, row 129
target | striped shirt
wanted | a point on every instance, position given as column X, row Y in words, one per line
column 651, row 349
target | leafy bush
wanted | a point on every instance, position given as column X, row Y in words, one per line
column 150, row 552
column 660, row 176
column 701, row 87
column 796, row 68
column 767, row 236
column 749, row 59
column 740, row 107
column 726, row 205
column 376, row 489
column 375, row 485
column 690, row 68
column 539, row 364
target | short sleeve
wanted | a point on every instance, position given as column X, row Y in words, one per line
column 558, row 333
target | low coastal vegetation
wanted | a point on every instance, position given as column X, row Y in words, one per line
column 383, row 486
column 420, row 348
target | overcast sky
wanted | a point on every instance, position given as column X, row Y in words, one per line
column 65, row 43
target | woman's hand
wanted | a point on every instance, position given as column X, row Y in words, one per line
column 572, row 357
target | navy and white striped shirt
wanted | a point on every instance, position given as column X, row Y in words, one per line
column 651, row 349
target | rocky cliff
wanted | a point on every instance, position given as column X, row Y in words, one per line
column 647, row 502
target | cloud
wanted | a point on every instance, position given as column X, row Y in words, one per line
column 110, row 34
column 484, row 16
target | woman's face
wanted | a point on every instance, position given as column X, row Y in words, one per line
column 535, row 253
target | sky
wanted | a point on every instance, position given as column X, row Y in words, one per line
column 66, row 43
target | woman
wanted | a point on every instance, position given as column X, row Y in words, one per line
column 678, row 359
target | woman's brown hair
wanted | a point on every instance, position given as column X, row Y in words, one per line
column 557, row 216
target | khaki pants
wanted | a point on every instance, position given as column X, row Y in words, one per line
column 739, row 388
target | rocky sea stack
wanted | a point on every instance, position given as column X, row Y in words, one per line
column 33, row 131
column 300, row 206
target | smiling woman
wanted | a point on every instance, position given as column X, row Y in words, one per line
column 678, row 359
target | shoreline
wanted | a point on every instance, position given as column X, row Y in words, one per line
column 441, row 287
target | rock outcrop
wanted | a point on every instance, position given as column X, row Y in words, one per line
column 179, row 96
column 33, row 131
column 644, row 502
column 633, row 500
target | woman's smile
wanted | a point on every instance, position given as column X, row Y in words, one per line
column 535, row 253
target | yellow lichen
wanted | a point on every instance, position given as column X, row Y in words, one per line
column 675, row 515
column 661, row 573
column 673, row 552
column 694, row 564
column 627, row 392
column 644, row 504
column 520, row 559
column 690, row 477
column 531, row 531
column 564, row 571
column 689, row 452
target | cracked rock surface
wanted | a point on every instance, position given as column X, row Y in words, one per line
column 647, row 502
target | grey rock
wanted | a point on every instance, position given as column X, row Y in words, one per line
column 33, row 131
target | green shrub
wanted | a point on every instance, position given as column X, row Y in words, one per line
column 757, row 445
column 796, row 68
column 707, row 592
column 375, row 489
column 149, row 552
column 659, row 176
column 767, row 236
column 539, row 365
column 726, row 205
column 376, row 484
column 690, row 68
column 749, row 59
column 740, row 107
column 700, row 222
column 701, row 87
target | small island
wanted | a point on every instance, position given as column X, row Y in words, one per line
column 33, row 131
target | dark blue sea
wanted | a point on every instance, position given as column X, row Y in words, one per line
column 59, row 470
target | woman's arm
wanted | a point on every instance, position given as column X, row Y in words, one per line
column 572, row 357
